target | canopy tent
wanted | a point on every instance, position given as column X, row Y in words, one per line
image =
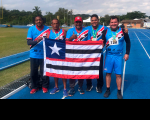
column 87, row 20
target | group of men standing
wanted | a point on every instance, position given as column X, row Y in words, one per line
column 112, row 37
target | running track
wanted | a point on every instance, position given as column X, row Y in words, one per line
column 137, row 78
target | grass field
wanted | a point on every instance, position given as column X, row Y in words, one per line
column 13, row 41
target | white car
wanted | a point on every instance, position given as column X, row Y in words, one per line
column 30, row 25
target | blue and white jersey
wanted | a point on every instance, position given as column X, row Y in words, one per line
column 114, row 46
column 34, row 33
column 101, row 28
column 60, row 35
column 82, row 36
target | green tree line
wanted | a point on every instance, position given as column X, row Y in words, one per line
column 128, row 16
column 16, row 17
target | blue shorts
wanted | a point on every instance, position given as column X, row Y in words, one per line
column 113, row 62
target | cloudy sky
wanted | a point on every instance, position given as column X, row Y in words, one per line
column 100, row 7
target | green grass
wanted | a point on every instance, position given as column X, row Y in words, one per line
column 13, row 41
column 14, row 73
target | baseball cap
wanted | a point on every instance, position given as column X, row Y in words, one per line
column 78, row 18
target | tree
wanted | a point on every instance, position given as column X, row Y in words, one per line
column 105, row 20
column 36, row 11
column 135, row 14
column 49, row 16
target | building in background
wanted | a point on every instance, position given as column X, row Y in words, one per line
column 136, row 23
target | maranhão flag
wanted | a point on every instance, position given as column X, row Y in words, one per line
column 72, row 60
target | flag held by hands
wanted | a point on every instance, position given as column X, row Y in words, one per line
column 72, row 60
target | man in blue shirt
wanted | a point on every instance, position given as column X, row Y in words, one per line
column 34, row 39
column 95, row 34
column 114, row 38
column 58, row 34
column 78, row 33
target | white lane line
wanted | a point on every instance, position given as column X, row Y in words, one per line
column 147, row 32
column 145, row 35
column 14, row 92
column 143, row 46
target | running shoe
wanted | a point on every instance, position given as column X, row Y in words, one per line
column 71, row 92
column 65, row 93
column 81, row 91
column 33, row 91
column 45, row 90
column 55, row 90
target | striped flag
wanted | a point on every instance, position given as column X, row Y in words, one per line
column 72, row 60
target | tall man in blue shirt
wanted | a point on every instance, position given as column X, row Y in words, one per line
column 95, row 34
column 34, row 39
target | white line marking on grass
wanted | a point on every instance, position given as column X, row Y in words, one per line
column 145, row 35
column 142, row 46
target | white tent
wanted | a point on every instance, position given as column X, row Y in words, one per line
column 87, row 20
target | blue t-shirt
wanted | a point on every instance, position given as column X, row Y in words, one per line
column 82, row 36
column 114, row 46
column 101, row 28
column 99, row 33
column 57, row 35
column 34, row 33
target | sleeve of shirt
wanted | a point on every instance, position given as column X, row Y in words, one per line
column 105, row 27
column 29, row 35
column 128, row 42
column 30, row 38
column 89, row 35
column 104, row 36
column 31, row 42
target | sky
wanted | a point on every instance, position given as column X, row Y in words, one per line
column 100, row 7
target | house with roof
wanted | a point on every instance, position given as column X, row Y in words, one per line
column 136, row 23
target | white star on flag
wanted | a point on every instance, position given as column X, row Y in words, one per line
column 55, row 49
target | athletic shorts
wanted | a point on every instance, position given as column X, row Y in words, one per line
column 113, row 62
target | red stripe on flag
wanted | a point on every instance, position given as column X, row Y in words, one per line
column 84, row 42
column 76, row 59
column 72, row 76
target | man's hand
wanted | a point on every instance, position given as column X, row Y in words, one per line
column 126, row 57
column 103, row 42
column 47, row 35
column 126, row 30
column 74, row 36
column 39, row 39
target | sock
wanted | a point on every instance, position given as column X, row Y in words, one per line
column 119, row 91
column 108, row 89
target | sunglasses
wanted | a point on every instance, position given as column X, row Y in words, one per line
column 78, row 22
